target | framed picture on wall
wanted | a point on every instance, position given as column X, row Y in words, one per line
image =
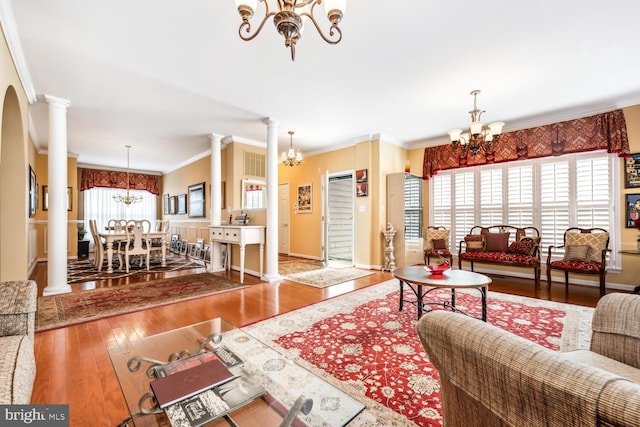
column 33, row 192
column 632, row 209
column 172, row 205
column 632, row 171
column 45, row 198
column 362, row 189
column 196, row 200
column 182, row 204
column 304, row 197
column 361, row 175
column 165, row 204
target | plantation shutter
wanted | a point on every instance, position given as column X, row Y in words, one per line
column 491, row 197
column 520, row 196
column 412, row 207
column 592, row 193
column 464, row 199
column 554, row 202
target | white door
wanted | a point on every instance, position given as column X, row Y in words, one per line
column 283, row 219
column 339, row 223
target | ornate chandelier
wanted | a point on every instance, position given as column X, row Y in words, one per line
column 291, row 157
column 478, row 136
column 289, row 19
column 127, row 198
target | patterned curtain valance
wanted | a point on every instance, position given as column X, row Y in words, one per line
column 606, row 131
column 112, row 179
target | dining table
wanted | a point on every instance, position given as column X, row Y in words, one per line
column 111, row 236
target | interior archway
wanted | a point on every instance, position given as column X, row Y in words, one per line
column 14, row 196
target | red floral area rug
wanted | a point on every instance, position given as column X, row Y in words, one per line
column 365, row 346
column 67, row 309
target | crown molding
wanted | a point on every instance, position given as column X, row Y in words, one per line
column 10, row 30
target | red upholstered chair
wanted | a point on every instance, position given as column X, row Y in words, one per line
column 437, row 244
column 584, row 252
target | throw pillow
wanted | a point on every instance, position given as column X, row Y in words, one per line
column 438, row 244
column 597, row 242
column 526, row 247
column 474, row 242
column 431, row 234
column 577, row 253
column 497, row 242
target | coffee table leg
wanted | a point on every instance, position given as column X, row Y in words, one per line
column 419, row 296
column 401, row 294
column 453, row 299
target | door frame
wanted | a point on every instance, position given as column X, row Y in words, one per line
column 325, row 210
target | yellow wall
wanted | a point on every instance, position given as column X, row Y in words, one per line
column 17, row 236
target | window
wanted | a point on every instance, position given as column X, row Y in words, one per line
column 412, row 207
column 551, row 194
column 99, row 205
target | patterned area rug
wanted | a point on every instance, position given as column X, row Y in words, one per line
column 66, row 309
column 327, row 276
column 371, row 350
column 84, row 271
column 289, row 266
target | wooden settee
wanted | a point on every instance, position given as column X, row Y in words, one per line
column 502, row 245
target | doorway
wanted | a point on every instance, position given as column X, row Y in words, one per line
column 338, row 219
column 283, row 219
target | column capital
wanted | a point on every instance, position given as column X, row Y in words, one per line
column 270, row 121
column 56, row 100
column 214, row 136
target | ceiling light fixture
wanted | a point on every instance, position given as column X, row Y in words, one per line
column 478, row 137
column 291, row 157
column 127, row 198
column 290, row 18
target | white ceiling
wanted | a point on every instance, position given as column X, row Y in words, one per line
column 161, row 75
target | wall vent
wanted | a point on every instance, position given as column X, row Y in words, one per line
column 255, row 164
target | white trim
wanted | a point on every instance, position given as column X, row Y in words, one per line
column 10, row 30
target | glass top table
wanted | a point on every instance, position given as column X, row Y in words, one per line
column 283, row 379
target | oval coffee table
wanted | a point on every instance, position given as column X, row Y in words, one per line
column 415, row 277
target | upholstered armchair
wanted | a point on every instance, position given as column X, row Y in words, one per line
column 490, row 377
column 584, row 251
column 436, row 244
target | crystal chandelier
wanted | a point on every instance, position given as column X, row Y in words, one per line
column 291, row 157
column 478, row 136
column 127, row 198
column 290, row 17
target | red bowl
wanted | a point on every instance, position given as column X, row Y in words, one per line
column 438, row 268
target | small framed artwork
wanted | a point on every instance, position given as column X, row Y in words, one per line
column 165, row 204
column 361, row 175
column 182, row 204
column 172, row 205
column 632, row 171
column 196, row 200
column 632, row 209
column 33, row 192
column 305, row 201
column 362, row 189
column 45, row 198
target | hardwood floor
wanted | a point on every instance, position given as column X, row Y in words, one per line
column 73, row 366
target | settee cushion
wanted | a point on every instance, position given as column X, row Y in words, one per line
column 599, row 361
column 474, row 242
column 569, row 264
column 597, row 242
column 17, row 369
column 577, row 253
column 499, row 257
column 496, row 242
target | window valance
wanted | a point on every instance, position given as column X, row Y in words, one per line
column 606, row 131
column 90, row 178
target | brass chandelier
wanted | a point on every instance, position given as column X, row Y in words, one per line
column 291, row 157
column 478, row 136
column 290, row 17
column 127, row 198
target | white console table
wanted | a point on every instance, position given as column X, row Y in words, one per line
column 240, row 235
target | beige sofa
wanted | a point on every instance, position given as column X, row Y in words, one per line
column 490, row 377
column 17, row 324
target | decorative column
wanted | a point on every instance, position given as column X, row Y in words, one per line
column 216, row 198
column 57, row 232
column 271, row 274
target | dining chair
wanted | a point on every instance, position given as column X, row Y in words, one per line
column 116, row 224
column 156, row 242
column 137, row 242
column 98, row 245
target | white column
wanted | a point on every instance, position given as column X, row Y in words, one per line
column 57, row 233
column 271, row 274
column 216, row 198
